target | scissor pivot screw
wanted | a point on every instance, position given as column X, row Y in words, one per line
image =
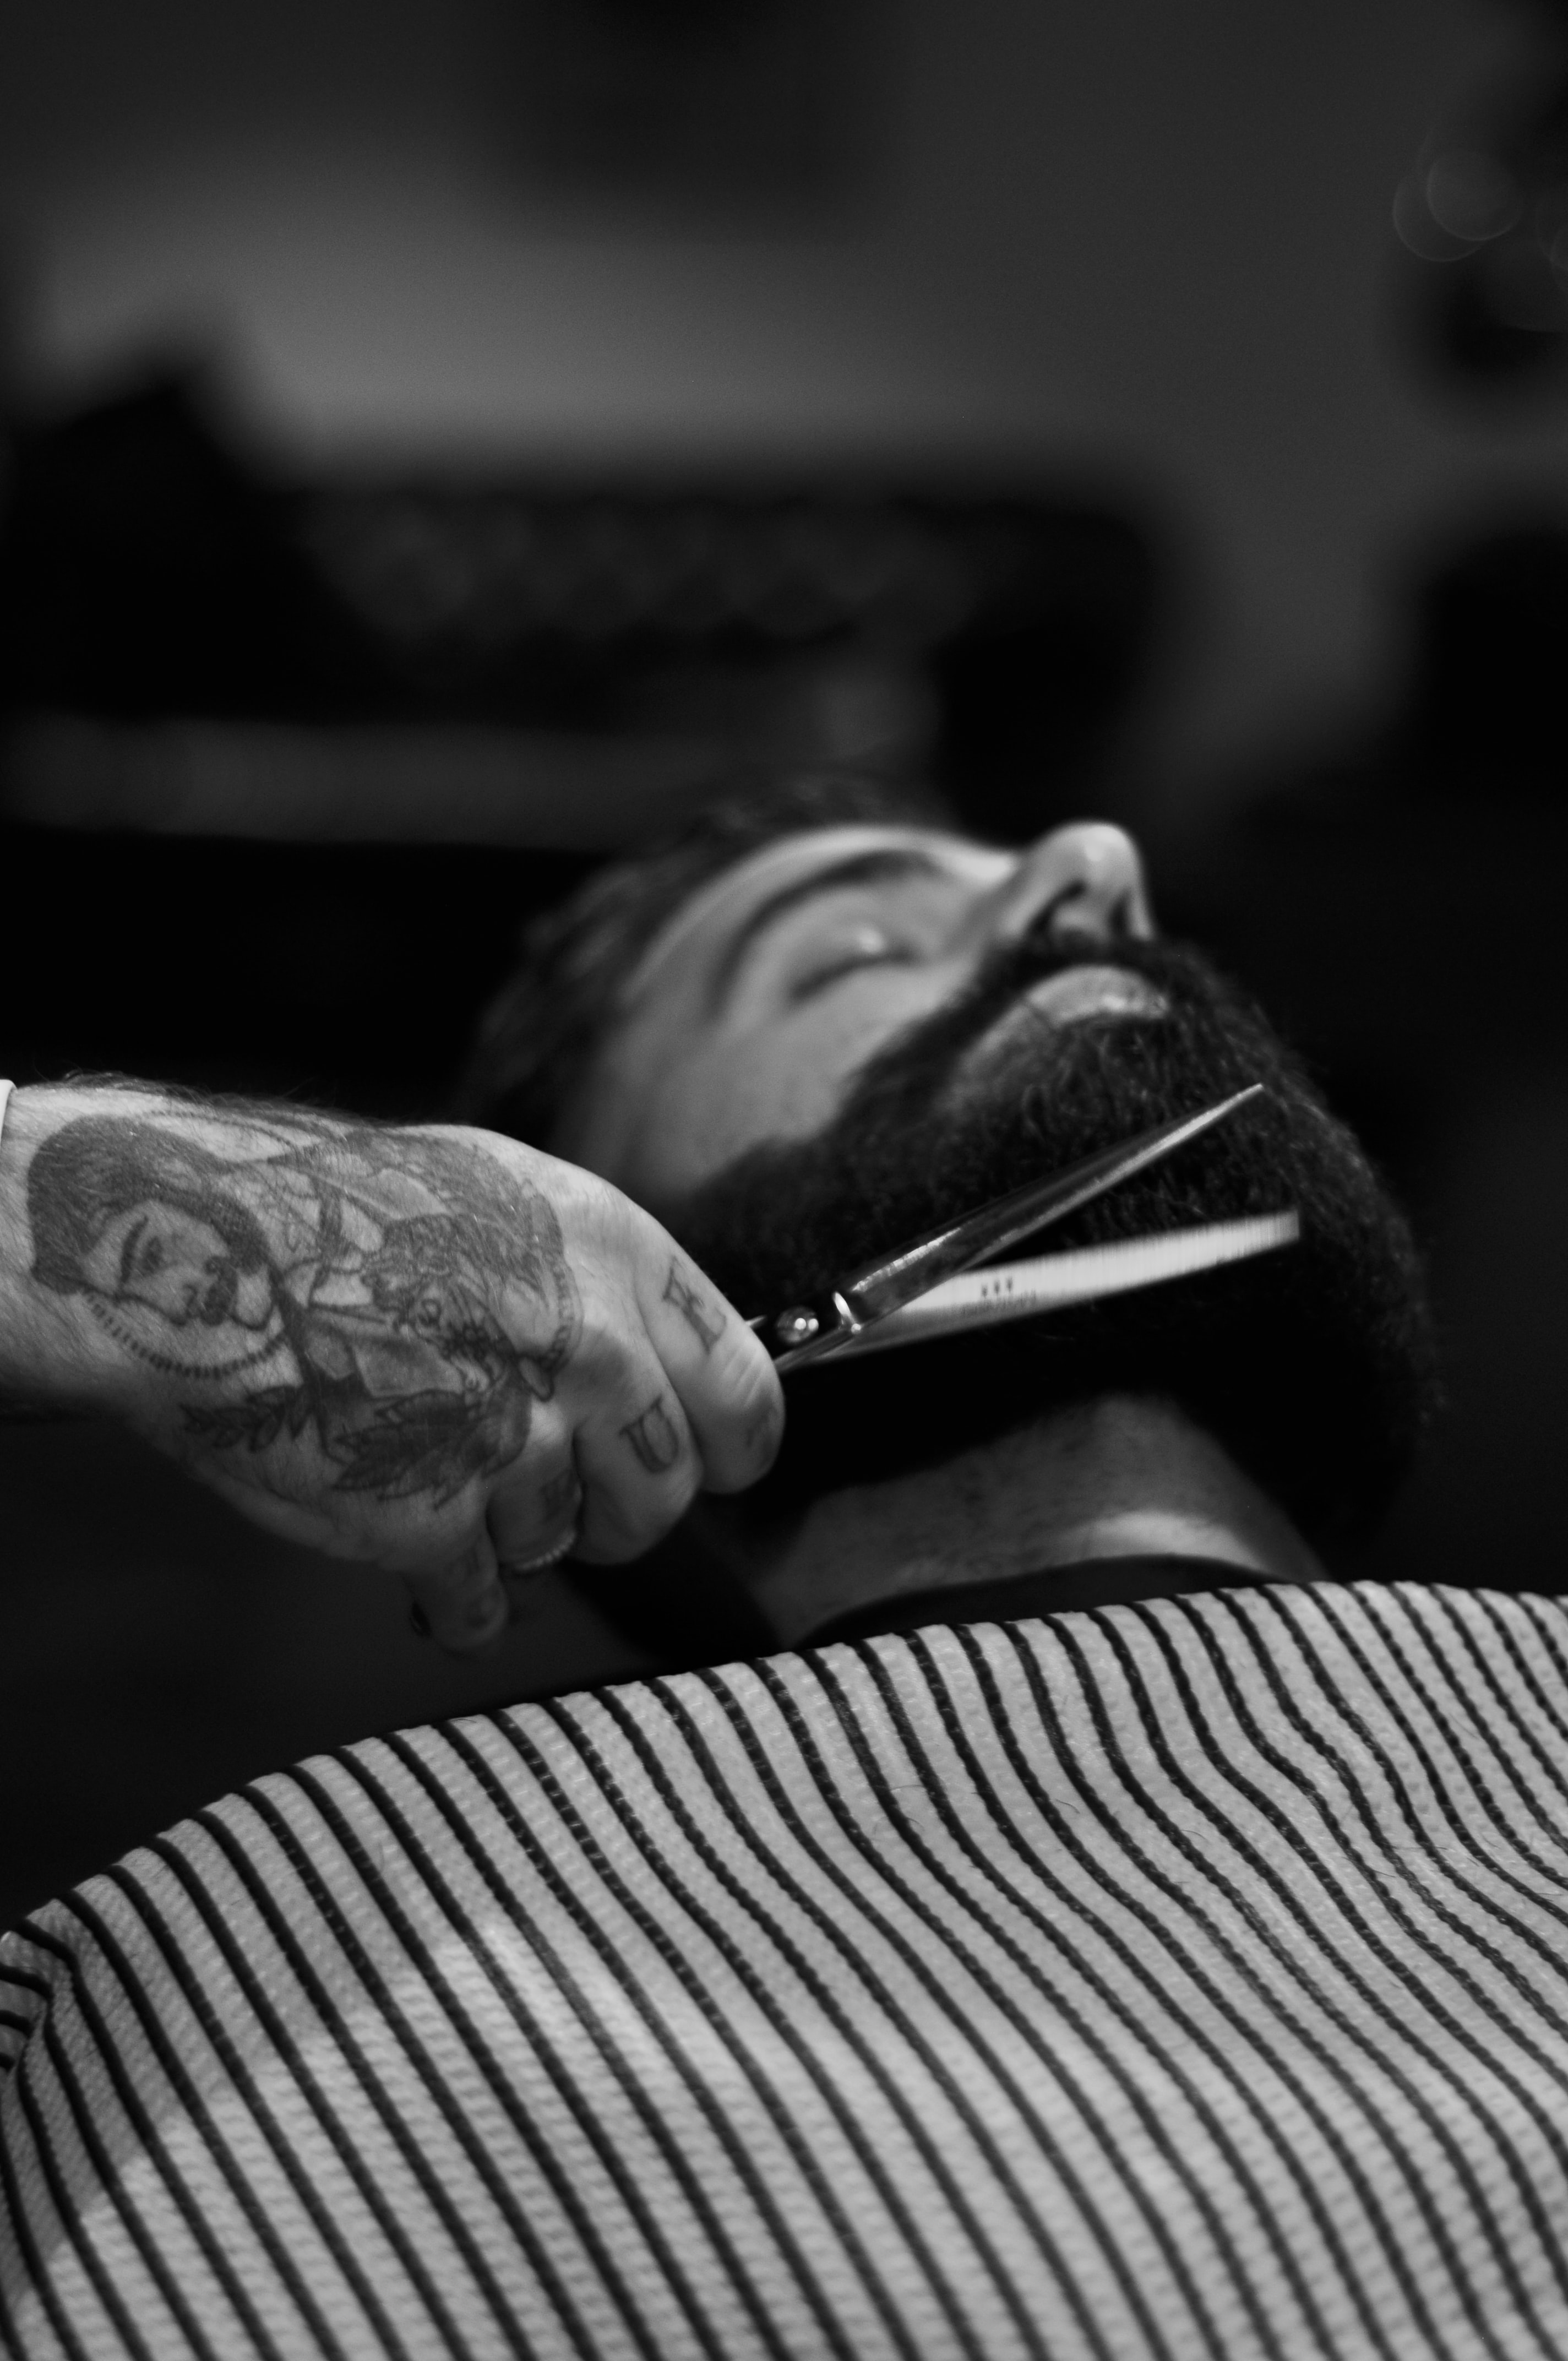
column 796, row 1327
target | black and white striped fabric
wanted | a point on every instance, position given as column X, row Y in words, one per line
column 1186, row 1978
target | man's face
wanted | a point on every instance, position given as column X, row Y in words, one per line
column 761, row 1002
column 859, row 1031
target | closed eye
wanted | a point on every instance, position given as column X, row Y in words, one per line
column 846, row 962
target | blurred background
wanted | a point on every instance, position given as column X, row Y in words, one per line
column 440, row 441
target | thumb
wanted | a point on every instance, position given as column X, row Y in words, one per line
column 463, row 1603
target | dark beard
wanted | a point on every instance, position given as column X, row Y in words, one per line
column 1314, row 1365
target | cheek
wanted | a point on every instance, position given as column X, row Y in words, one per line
column 660, row 1121
column 811, row 1057
column 703, row 1113
column 658, row 1130
column 785, row 1081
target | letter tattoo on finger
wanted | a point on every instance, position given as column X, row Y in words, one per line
column 654, row 1438
column 694, row 1308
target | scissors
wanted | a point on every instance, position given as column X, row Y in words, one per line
column 881, row 1303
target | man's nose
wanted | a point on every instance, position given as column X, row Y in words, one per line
column 1083, row 886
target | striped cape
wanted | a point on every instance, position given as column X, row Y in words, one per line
column 1188, row 1979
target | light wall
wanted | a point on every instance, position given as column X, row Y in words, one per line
column 1141, row 238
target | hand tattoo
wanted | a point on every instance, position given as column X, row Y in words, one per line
column 654, row 1438
column 400, row 1299
column 692, row 1308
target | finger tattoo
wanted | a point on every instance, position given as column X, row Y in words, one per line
column 694, row 1308
column 654, row 1438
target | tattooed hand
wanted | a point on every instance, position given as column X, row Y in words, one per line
column 432, row 1348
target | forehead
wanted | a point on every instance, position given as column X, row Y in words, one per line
column 707, row 920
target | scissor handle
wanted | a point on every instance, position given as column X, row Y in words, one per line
column 805, row 1331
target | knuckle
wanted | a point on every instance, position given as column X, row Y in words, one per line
column 603, row 1348
column 756, row 1435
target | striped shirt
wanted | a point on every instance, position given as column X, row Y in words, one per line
column 1179, row 1979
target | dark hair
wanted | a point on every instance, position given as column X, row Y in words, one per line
column 98, row 1167
column 539, row 1036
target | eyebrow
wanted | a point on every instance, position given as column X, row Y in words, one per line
column 875, row 868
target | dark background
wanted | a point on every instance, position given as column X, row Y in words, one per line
column 403, row 507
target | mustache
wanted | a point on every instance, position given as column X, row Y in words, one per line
column 899, row 1083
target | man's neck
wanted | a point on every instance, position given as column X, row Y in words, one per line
column 1119, row 1477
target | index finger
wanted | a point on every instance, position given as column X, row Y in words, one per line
column 727, row 1383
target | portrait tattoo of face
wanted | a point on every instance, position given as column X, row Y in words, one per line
column 401, row 1308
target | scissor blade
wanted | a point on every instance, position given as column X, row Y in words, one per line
column 899, row 1279
column 896, row 1280
column 1005, row 1291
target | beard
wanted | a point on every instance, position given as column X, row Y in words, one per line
column 1313, row 1365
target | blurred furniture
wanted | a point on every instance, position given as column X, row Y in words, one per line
column 283, row 765
column 191, row 648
